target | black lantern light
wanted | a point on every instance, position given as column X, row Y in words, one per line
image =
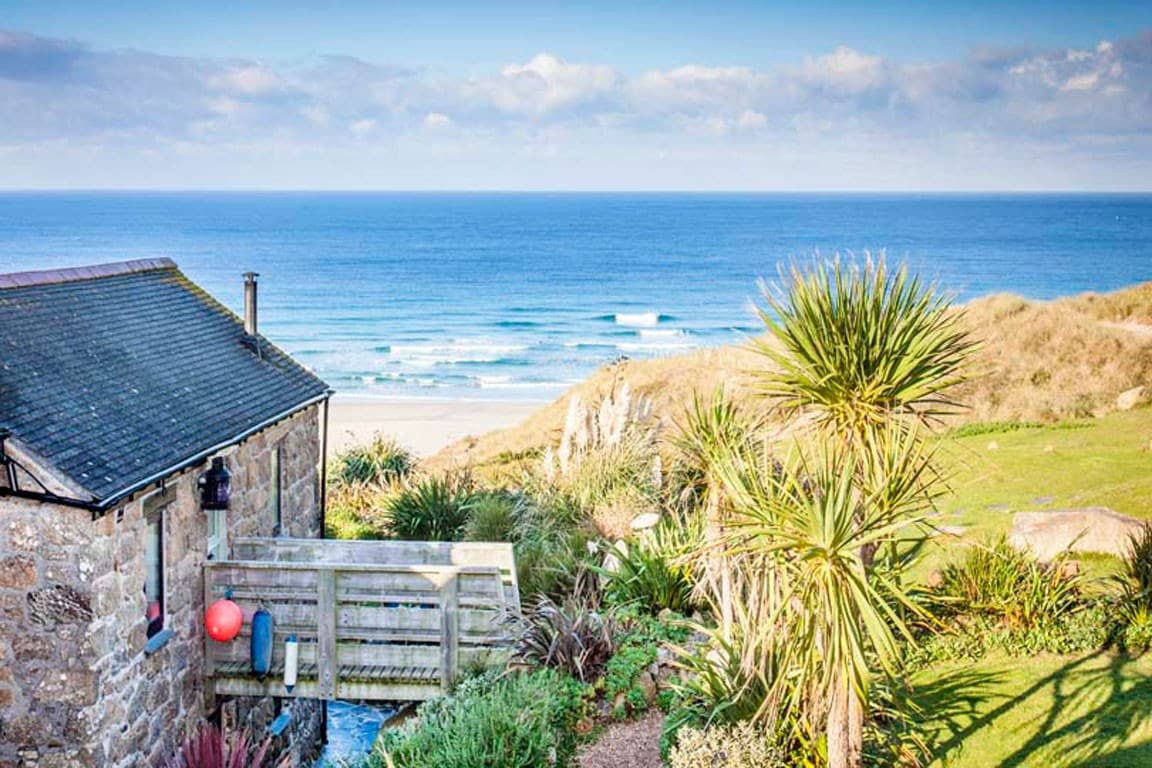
column 214, row 486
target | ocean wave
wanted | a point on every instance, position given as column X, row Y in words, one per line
column 661, row 333
column 590, row 344
column 638, row 319
column 432, row 355
column 517, row 324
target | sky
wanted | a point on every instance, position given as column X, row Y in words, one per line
column 725, row 95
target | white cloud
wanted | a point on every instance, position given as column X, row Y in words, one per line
column 363, row 127
column 248, row 80
column 1090, row 101
column 546, row 83
column 846, row 70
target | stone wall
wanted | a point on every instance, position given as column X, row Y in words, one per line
column 76, row 685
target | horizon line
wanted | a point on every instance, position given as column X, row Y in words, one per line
column 561, row 191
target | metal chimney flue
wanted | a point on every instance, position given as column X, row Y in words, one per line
column 250, row 326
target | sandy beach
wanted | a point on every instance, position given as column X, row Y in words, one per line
column 424, row 426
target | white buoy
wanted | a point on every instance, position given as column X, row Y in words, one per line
column 291, row 659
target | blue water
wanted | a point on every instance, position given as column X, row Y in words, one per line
column 352, row 730
column 516, row 296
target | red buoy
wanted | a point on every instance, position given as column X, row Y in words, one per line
column 223, row 620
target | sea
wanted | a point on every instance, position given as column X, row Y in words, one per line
column 516, row 296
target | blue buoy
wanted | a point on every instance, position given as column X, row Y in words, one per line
column 261, row 643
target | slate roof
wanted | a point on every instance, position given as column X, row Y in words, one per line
column 116, row 373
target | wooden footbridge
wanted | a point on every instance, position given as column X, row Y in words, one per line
column 374, row 620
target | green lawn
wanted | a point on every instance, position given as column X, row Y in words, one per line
column 1100, row 462
column 1093, row 710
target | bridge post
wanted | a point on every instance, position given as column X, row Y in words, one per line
column 326, row 662
column 449, row 629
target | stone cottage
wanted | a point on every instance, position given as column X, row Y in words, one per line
column 119, row 384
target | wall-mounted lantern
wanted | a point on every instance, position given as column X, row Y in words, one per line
column 214, row 486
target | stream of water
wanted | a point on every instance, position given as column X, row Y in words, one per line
column 352, row 729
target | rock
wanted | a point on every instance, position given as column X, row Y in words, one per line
column 17, row 572
column 1129, row 399
column 1089, row 529
column 645, row 521
column 648, row 683
column 993, row 446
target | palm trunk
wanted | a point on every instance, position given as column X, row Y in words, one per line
column 845, row 728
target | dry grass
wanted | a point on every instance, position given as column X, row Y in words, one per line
column 1038, row 361
column 1044, row 361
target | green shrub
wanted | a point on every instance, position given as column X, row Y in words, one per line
column 1137, row 632
column 653, row 572
column 732, row 746
column 431, row 509
column 492, row 517
column 997, row 580
column 573, row 638
column 382, row 461
column 627, row 682
column 550, row 539
column 992, row 428
column 1134, row 606
column 357, row 511
column 716, row 687
column 491, row 721
column 1092, row 626
column 1138, row 565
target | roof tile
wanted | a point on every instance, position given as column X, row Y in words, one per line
column 117, row 372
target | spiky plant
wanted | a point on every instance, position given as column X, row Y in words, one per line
column 381, row 461
column 707, row 432
column 822, row 613
column 209, row 747
column 854, row 345
column 861, row 359
column 432, row 509
column 572, row 637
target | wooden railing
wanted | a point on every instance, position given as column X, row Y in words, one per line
column 373, row 620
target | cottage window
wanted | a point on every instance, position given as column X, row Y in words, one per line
column 154, row 570
column 277, row 484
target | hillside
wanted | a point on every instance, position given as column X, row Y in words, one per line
column 1037, row 361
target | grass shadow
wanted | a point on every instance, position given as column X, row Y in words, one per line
column 1088, row 710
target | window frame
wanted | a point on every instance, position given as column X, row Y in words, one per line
column 155, row 512
column 217, row 540
column 277, row 495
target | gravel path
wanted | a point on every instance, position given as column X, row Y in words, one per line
column 627, row 745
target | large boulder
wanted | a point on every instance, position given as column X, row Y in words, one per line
column 1130, row 399
column 1088, row 529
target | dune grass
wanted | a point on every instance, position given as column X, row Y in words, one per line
column 1050, row 711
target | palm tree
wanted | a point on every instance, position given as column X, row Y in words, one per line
column 823, row 613
column 862, row 361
